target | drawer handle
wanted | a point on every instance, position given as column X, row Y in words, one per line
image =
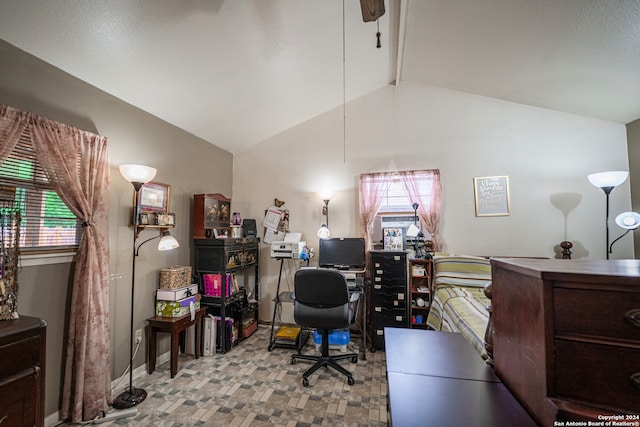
column 633, row 317
column 635, row 380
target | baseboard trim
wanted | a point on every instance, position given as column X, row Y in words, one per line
column 53, row 420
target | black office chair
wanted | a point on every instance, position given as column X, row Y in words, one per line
column 321, row 301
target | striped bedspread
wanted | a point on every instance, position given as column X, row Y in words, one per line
column 459, row 303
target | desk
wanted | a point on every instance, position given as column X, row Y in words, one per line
column 432, row 375
column 420, row 352
column 173, row 326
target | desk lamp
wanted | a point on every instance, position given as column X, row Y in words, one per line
column 607, row 181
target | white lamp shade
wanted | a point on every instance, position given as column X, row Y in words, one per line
column 137, row 173
column 323, row 232
column 167, row 242
column 628, row 220
column 326, row 195
column 412, row 231
column 608, row 179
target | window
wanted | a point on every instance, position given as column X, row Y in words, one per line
column 387, row 199
column 47, row 224
column 396, row 199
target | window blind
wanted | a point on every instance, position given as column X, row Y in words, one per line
column 47, row 223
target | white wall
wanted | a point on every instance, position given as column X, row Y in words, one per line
column 546, row 154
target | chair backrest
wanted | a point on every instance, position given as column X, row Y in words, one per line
column 321, row 299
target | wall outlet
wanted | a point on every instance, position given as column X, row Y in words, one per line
column 138, row 336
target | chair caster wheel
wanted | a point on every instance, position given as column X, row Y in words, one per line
column 354, row 359
column 305, row 382
column 293, row 360
column 351, row 381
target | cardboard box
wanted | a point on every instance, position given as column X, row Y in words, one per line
column 176, row 294
column 174, row 277
column 177, row 308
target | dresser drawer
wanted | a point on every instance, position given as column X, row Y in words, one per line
column 389, row 297
column 389, row 316
column 390, row 265
column 19, row 355
column 597, row 313
column 598, row 374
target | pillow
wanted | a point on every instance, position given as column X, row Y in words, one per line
column 461, row 270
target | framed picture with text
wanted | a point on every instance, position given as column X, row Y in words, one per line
column 153, row 197
column 492, row 196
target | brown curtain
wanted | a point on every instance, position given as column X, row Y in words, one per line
column 429, row 205
column 77, row 165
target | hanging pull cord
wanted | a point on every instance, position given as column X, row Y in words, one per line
column 378, row 44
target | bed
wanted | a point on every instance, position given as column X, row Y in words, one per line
column 459, row 303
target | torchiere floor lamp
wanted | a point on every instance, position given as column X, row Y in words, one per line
column 138, row 175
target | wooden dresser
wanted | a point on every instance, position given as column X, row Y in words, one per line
column 22, row 366
column 566, row 336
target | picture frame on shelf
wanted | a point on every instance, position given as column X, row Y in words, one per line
column 154, row 197
column 221, row 233
column 143, row 219
column 166, row 219
column 392, row 239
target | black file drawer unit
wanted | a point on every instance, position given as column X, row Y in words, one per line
column 388, row 293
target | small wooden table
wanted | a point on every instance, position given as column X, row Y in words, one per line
column 173, row 326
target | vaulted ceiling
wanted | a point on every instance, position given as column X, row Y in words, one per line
column 236, row 72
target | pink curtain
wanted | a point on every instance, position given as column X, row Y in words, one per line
column 77, row 165
column 429, row 204
column 373, row 186
column 12, row 124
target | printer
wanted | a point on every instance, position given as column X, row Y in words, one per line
column 290, row 247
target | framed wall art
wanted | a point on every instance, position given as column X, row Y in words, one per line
column 492, row 196
column 153, row 197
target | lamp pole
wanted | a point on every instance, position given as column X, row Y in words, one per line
column 607, row 191
column 131, row 397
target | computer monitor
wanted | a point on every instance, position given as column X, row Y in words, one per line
column 342, row 253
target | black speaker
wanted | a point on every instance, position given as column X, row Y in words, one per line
column 249, row 227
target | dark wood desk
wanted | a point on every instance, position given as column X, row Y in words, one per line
column 174, row 326
column 414, row 351
column 437, row 379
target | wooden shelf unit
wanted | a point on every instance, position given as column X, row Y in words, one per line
column 420, row 272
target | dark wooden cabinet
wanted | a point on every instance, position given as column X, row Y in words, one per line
column 566, row 336
column 230, row 256
column 211, row 214
column 388, row 306
column 22, row 368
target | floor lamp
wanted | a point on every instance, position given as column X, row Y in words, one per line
column 138, row 175
column 607, row 181
column 323, row 231
column 628, row 221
